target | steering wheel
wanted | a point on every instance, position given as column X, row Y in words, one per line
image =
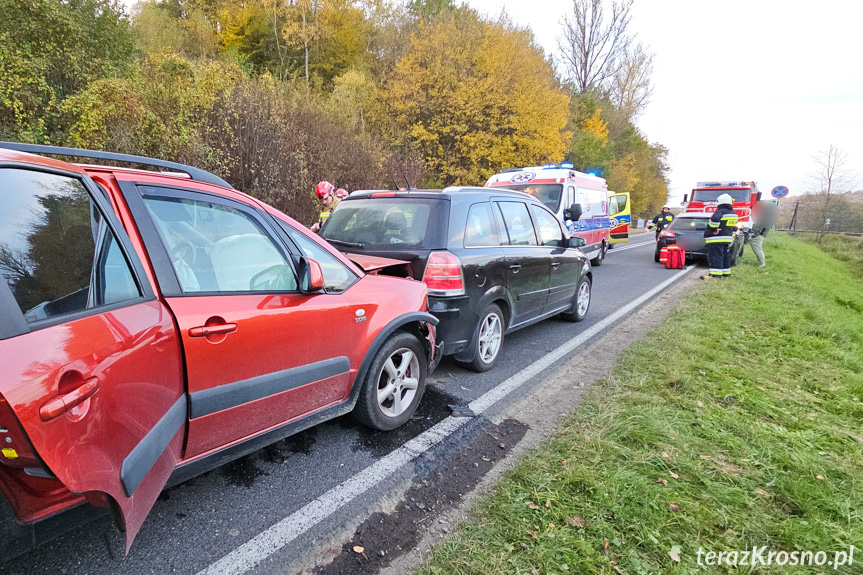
column 177, row 253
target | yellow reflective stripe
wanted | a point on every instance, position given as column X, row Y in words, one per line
column 713, row 224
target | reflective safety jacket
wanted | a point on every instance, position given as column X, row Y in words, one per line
column 720, row 228
column 325, row 213
column 661, row 221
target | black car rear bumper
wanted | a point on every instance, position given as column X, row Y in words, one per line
column 457, row 322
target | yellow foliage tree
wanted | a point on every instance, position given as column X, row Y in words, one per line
column 596, row 126
column 474, row 97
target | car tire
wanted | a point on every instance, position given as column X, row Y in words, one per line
column 487, row 339
column 580, row 305
column 400, row 367
column 597, row 261
column 656, row 255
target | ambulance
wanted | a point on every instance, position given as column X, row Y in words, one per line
column 581, row 201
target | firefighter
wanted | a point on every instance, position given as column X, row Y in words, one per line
column 326, row 193
column 662, row 220
column 719, row 235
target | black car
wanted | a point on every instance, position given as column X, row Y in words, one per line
column 494, row 260
column 687, row 231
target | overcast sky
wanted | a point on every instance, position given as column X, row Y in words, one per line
column 743, row 89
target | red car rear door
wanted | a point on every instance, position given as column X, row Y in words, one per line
column 258, row 352
column 91, row 360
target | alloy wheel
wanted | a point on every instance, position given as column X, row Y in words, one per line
column 489, row 337
column 398, row 382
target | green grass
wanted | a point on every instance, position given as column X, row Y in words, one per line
column 749, row 392
column 848, row 249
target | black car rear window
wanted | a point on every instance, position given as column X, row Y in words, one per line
column 389, row 222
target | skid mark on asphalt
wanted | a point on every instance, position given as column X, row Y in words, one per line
column 386, row 536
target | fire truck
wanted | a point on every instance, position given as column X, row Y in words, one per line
column 581, row 201
column 744, row 194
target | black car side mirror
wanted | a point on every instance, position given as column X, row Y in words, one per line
column 572, row 213
column 576, row 242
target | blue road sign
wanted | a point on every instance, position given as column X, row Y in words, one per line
column 779, row 192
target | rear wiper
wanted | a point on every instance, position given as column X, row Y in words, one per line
column 349, row 244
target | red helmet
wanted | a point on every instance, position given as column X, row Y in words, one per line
column 324, row 189
column 341, row 193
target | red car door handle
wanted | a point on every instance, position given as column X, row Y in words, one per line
column 205, row 330
column 57, row 406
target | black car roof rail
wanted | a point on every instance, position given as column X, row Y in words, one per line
column 196, row 174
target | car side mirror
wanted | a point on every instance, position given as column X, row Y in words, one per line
column 311, row 275
column 576, row 242
column 572, row 213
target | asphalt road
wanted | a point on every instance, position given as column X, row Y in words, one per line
column 197, row 523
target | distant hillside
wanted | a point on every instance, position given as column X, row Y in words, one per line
column 846, row 212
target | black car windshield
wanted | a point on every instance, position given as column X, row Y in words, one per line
column 712, row 195
column 548, row 194
column 688, row 224
column 388, row 223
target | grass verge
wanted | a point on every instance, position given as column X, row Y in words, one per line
column 736, row 423
column 848, row 249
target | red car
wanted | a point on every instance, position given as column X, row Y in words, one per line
column 156, row 325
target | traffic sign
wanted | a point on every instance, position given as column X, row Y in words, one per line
column 779, row 192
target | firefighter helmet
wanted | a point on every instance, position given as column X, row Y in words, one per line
column 341, row 193
column 324, row 189
column 725, row 199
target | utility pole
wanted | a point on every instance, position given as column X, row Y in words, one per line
column 793, row 225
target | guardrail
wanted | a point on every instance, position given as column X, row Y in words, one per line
column 856, row 234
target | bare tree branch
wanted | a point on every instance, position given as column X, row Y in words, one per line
column 591, row 48
column 831, row 180
column 629, row 88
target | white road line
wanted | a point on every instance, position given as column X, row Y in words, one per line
column 631, row 246
column 253, row 552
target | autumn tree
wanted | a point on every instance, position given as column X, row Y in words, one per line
column 50, row 50
column 474, row 97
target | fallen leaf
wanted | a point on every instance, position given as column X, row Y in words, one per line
column 760, row 387
column 819, row 477
column 673, row 507
column 674, row 553
column 552, row 526
column 234, row 532
column 759, row 491
column 699, row 403
column 532, row 534
column 702, row 372
column 619, row 570
column 577, row 521
column 581, row 384
column 524, row 545
column 565, row 461
column 358, row 549
column 705, row 457
column 666, row 455
column 532, row 505
column 674, row 475
column 662, row 481
column 605, row 546
column 548, row 503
